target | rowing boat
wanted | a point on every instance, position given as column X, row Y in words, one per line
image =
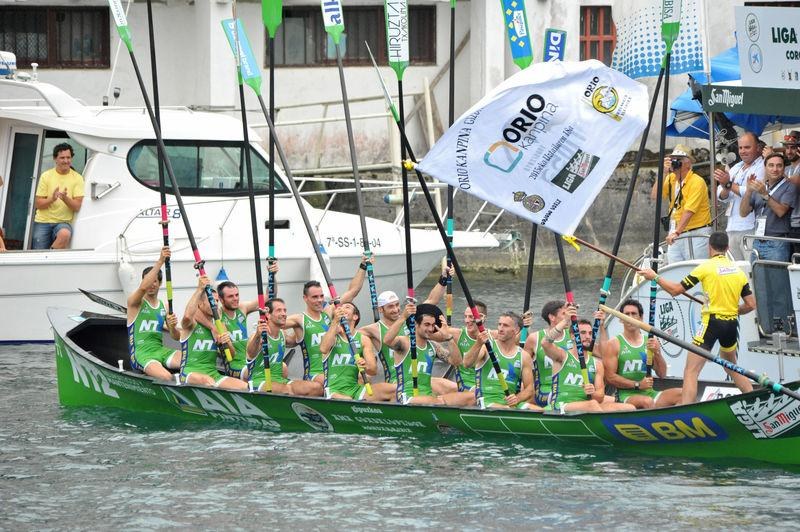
column 93, row 371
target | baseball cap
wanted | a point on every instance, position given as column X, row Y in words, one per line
column 792, row 138
column 384, row 298
column 681, row 150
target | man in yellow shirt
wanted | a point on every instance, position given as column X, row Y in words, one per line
column 724, row 285
column 690, row 214
column 59, row 196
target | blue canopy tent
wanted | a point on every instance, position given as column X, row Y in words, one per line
column 687, row 118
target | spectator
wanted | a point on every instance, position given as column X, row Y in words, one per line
column 771, row 201
column 59, row 196
column 791, row 146
column 689, row 210
column 732, row 186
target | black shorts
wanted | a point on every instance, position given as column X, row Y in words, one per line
column 724, row 330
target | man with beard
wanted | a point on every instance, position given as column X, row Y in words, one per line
column 553, row 313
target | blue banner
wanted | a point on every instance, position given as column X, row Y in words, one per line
column 555, row 43
column 517, row 28
column 248, row 65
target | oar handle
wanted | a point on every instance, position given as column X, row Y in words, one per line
column 262, row 312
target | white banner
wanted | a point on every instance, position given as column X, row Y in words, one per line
column 769, row 53
column 544, row 142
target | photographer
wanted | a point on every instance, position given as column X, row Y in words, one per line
column 689, row 213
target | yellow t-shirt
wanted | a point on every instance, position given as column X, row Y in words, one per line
column 724, row 284
column 694, row 198
column 58, row 211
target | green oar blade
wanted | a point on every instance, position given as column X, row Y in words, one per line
column 118, row 13
column 670, row 22
column 519, row 40
column 397, row 35
column 333, row 18
column 272, row 14
column 245, row 58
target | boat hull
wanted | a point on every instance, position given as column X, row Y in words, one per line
column 756, row 426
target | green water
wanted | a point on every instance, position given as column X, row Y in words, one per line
column 98, row 470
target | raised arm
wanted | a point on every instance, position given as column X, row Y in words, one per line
column 392, row 338
column 135, row 299
column 438, row 289
column 672, row 287
column 329, row 338
column 188, row 322
column 477, row 353
column 357, row 282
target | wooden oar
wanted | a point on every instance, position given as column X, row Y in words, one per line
column 763, row 380
column 272, row 15
column 162, row 186
column 576, row 240
column 442, row 231
column 242, row 48
column 124, row 32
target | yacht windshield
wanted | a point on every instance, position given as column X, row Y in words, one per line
column 206, row 168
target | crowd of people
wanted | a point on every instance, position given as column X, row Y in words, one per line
column 341, row 356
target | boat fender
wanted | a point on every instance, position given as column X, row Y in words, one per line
column 128, row 279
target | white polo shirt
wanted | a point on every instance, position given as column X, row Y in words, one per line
column 739, row 174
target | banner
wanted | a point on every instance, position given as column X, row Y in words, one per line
column 519, row 39
column 248, row 64
column 640, row 44
column 544, row 142
column 555, row 43
column 769, row 54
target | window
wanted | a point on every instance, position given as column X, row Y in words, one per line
column 301, row 39
column 204, row 168
column 598, row 33
column 56, row 37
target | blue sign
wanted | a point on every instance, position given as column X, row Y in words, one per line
column 248, row 65
column 555, row 43
column 517, row 28
column 680, row 427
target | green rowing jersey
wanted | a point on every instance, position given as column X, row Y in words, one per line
column 145, row 336
column 342, row 368
column 567, row 383
column 385, row 353
column 237, row 327
column 543, row 366
column 488, row 385
column 199, row 353
column 313, row 331
column 465, row 377
column 276, row 347
column 405, row 382
column 632, row 364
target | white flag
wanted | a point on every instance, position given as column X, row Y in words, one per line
column 544, row 142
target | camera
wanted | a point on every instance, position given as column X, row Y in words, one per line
column 676, row 163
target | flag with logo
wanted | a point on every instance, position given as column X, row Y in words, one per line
column 640, row 45
column 544, row 142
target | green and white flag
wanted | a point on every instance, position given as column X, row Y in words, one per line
column 396, row 12
column 333, row 17
column 544, row 142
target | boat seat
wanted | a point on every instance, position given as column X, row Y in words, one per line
column 773, row 295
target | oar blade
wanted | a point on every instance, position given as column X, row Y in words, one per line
column 120, row 20
column 397, row 35
column 272, row 15
column 245, row 58
column 333, row 17
column 670, row 22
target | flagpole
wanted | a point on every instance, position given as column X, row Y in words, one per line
column 670, row 27
column 450, row 191
column 712, row 134
column 334, row 25
column 262, row 312
column 124, row 32
column 272, row 16
column 162, row 186
column 526, row 304
column 442, row 233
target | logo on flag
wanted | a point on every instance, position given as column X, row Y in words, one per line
column 527, row 148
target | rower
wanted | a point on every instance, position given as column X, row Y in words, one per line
column 568, row 391
column 233, row 315
column 625, row 361
column 198, row 349
column 146, row 319
column 430, row 326
column 725, row 284
column 553, row 312
column 515, row 364
column 311, row 325
column 594, row 363
column 280, row 341
column 345, row 363
column 463, row 340
column 390, row 310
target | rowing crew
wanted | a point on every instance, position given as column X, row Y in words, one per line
column 339, row 359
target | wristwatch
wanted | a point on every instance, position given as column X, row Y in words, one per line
column 636, row 385
column 728, row 185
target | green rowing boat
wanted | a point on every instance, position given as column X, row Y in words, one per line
column 92, row 370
